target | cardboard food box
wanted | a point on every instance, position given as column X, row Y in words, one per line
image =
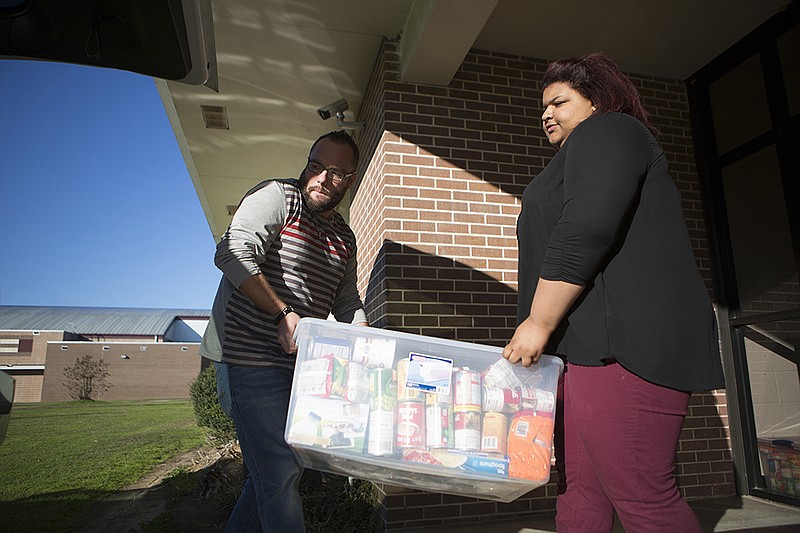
column 421, row 412
column 780, row 464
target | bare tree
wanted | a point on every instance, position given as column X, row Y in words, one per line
column 85, row 377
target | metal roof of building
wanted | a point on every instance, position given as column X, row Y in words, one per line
column 94, row 320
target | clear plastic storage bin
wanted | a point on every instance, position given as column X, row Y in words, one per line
column 421, row 412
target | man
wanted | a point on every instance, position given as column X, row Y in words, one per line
column 286, row 254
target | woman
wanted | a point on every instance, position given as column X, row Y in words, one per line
column 608, row 281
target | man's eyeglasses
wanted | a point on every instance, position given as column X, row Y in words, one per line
column 337, row 176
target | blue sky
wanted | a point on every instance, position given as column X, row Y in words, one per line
column 96, row 205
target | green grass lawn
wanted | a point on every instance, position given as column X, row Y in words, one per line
column 60, row 458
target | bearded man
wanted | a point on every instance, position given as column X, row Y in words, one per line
column 286, row 254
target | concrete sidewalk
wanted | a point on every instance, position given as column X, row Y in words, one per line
column 735, row 514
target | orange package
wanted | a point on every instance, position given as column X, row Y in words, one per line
column 530, row 440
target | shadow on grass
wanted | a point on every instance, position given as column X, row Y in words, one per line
column 189, row 499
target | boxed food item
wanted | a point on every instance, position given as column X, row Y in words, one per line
column 421, row 412
column 780, row 464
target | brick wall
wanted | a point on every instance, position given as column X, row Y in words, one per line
column 435, row 216
column 151, row 370
column 32, row 352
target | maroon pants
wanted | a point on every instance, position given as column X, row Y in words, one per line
column 620, row 435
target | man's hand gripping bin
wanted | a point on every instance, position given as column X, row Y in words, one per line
column 421, row 412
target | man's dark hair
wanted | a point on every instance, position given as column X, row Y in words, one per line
column 340, row 137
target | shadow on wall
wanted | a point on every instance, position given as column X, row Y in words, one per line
column 416, row 292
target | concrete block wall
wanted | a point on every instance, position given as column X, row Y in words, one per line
column 442, row 174
column 148, row 371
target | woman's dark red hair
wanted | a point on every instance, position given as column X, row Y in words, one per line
column 600, row 80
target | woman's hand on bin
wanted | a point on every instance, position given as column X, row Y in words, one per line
column 527, row 344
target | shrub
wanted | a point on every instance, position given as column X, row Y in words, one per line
column 207, row 410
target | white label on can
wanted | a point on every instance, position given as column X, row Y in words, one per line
column 381, row 433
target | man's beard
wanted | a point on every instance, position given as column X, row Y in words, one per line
column 324, row 204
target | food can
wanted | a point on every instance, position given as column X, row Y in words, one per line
column 403, row 392
column 410, row 424
column 467, row 391
column 375, row 353
column 338, row 377
column 494, row 433
column 501, row 374
column 358, row 385
column 315, row 377
column 467, row 431
column 500, row 400
column 432, row 398
column 542, row 401
column 439, row 425
column 380, row 433
column 382, row 390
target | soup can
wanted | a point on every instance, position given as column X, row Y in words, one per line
column 500, row 400
column 410, row 424
column 467, row 429
column 542, row 401
column 467, row 391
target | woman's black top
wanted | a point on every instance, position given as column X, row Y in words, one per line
column 605, row 214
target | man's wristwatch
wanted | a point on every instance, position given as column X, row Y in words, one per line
column 282, row 314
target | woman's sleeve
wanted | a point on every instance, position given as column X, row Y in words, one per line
column 255, row 224
column 605, row 164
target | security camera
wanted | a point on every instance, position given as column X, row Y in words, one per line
column 326, row 112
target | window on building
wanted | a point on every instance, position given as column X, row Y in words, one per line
column 9, row 345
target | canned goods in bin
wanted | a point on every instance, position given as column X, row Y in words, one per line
column 494, row 433
column 467, row 391
column 501, row 400
column 380, row 433
column 467, row 431
column 358, row 386
column 501, row 374
column 439, row 425
column 410, row 424
column 542, row 401
column 432, row 398
column 382, row 390
column 404, row 393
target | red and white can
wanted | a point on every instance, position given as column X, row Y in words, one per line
column 542, row 401
column 467, row 431
column 467, row 391
column 410, row 424
column 500, row 400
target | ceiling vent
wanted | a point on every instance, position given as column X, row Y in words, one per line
column 215, row 117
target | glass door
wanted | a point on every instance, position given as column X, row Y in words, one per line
column 746, row 120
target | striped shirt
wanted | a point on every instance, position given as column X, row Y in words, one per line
column 309, row 261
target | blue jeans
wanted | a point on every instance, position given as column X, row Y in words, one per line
column 259, row 405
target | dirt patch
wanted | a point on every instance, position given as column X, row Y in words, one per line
column 193, row 492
